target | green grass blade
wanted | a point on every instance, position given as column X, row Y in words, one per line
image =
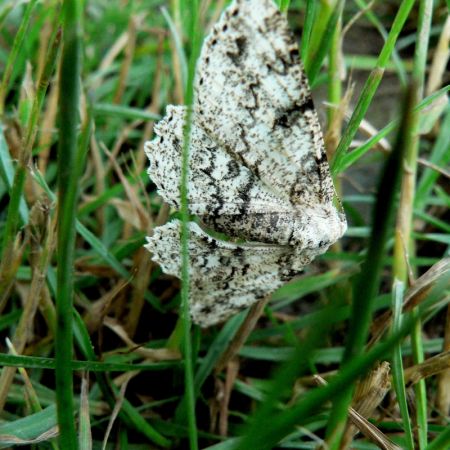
column 420, row 387
column 177, row 39
column 316, row 60
column 282, row 383
column 68, row 174
column 18, row 41
column 439, row 156
column 36, row 362
column 442, row 441
column 279, row 425
column 397, row 363
column 404, row 237
column 216, row 349
column 126, row 112
column 194, row 39
column 311, row 6
column 367, row 283
column 28, row 428
column 284, row 5
column 355, row 155
column 7, row 173
column 371, row 85
column 372, row 17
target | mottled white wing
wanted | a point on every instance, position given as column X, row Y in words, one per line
column 224, row 277
column 228, row 196
column 218, row 184
column 253, row 99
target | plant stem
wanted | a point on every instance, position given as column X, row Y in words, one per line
column 404, row 244
column 367, row 283
column 184, row 211
column 398, row 290
column 68, row 174
column 371, row 85
column 310, row 14
column 12, row 58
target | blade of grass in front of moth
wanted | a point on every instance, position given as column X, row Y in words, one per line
column 404, row 244
column 68, row 177
column 195, row 38
column 17, row 45
column 367, row 283
column 371, row 86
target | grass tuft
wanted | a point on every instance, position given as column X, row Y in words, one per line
column 97, row 340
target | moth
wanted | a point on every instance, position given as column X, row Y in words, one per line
column 258, row 171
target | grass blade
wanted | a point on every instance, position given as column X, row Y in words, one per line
column 7, row 173
column 371, row 16
column 439, row 156
column 367, row 283
column 195, row 39
column 310, row 14
column 397, row 362
column 107, row 109
column 18, row 41
column 69, row 171
column 442, row 441
column 315, row 61
column 371, row 85
column 355, row 155
column 277, row 426
column 284, row 5
column 404, row 241
column 259, row 435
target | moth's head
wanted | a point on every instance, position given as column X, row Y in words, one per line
column 322, row 226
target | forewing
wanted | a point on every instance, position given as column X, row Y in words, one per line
column 253, row 99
